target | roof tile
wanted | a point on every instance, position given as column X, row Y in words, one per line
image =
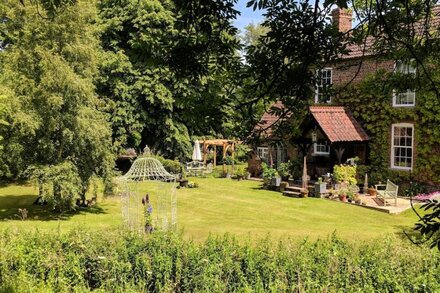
column 338, row 123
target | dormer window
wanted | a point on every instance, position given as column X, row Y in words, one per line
column 405, row 98
column 323, row 84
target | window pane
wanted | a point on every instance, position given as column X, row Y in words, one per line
column 402, row 146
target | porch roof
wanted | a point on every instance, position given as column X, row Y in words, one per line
column 338, row 124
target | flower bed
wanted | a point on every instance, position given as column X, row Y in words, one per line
column 427, row 196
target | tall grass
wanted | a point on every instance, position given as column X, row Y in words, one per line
column 123, row 262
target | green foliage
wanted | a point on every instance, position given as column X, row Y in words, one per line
column 287, row 72
column 240, row 171
column 121, row 262
column 296, row 167
column 429, row 224
column 166, row 71
column 378, row 115
column 172, row 166
column 268, row 173
column 414, row 189
column 48, row 66
column 59, row 185
column 252, row 34
column 345, row 173
column 228, row 160
column 3, row 122
column 284, row 170
column 242, row 152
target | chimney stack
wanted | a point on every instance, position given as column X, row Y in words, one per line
column 342, row 19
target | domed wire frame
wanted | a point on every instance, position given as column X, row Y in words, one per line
column 148, row 176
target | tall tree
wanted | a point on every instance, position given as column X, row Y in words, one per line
column 165, row 70
column 48, row 65
column 252, row 34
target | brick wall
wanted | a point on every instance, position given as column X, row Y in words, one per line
column 354, row 69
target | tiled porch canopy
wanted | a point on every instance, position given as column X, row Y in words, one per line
column 338, row 124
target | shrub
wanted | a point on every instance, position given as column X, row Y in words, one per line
column 296, row 168
column 242, row 152
column 228, row 160
column 240, row 171
column 345, row 173
column 283, row 170
column 112, row 261
column 59, row 185
column 172, row 166
column 268, row 173
column 414, row 189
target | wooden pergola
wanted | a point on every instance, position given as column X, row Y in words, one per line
column 226, row 144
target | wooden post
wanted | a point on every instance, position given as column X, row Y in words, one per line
column 233, row 152
column 223, row 158
column 204, row 152
column 339, row 152
column 215, row 155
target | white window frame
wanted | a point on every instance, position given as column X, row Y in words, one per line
column 406, row 125
column 408, row 92
column 412, row 70
column 320, row 85
column 263, row 152
column 320, row 153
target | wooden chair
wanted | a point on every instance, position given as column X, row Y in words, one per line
column 390, row 191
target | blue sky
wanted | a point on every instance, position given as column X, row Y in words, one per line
column 247, row 15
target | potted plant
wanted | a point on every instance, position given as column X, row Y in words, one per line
column 183, row 182
column 320, row 186
column 269, row 175
column 283, row 171
column 276, row 179
column 372, row 191
column 342, row 194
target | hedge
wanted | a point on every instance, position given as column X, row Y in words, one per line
column 122, row 262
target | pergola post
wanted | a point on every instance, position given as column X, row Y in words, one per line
column 205, row 152
column 233, row 153
column 223, row 158
column 215, row 155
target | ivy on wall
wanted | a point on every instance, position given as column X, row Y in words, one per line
column 371, row 104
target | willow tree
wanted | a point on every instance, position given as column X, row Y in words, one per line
column 48, row 64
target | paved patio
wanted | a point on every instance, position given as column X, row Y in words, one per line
column 372, row 202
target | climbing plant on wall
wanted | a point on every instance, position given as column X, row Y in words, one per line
column 371, row 104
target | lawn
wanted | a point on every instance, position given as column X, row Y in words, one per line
column 219, row 206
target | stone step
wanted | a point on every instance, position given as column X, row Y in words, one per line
column 293, row 188
column 292, row 193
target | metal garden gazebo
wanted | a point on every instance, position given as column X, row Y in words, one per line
column 148, row 196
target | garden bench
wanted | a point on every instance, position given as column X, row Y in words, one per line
column 195, row 168
column 390, row 191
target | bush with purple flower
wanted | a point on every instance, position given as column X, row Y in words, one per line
column 427, row 196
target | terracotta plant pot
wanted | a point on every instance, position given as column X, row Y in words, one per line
column 342, row 197
column 372, row 191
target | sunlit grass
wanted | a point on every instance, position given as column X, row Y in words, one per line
column 218, row 206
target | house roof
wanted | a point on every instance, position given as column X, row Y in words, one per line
column 366, row 48
column 338, row 123
column 268, row 120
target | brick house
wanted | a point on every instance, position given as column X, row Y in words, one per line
column 330, row 133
